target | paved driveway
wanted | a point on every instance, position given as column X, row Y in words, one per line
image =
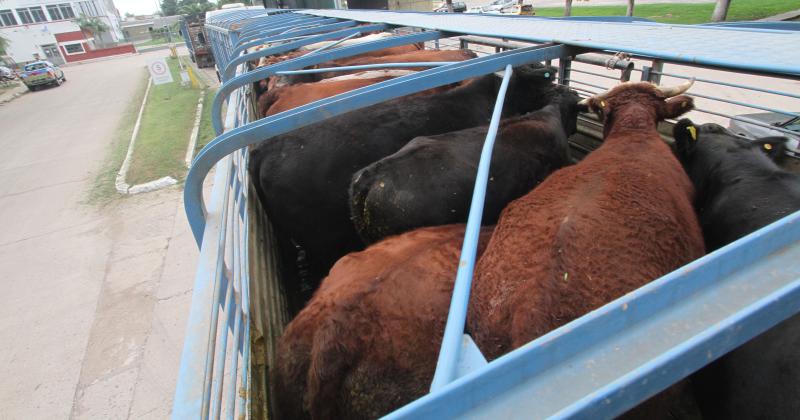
column 87, row 327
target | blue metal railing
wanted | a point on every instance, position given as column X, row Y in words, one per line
column 219, row 342
column 450, row 352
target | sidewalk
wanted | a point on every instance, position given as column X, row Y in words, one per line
column 13, row 93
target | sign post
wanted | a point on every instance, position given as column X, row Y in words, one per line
column 159, row 71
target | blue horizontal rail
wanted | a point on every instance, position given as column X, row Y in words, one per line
column 289, row 46
column 607, row 361
column 597, row 366
column 744, row 49
column 283, row 122
column 368, row 67
column 334, row 43
column 303, row 61
column 229, row 70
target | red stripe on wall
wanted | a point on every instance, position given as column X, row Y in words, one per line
column 105, row 52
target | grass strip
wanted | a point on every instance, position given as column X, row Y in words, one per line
column 8, row 86
column 103, row 189
column 206, row 133
column 159, row 41
column 164, row 133
column 681, row 13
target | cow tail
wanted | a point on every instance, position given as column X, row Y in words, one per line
column 334, row 344
column 359, row 213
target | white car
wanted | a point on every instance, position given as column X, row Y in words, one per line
column 746, row 128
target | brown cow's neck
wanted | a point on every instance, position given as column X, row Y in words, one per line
column 631, row 117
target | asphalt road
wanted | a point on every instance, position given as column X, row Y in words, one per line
column 87, row 327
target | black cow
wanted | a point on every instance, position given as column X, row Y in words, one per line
column 429, row 181
column 303, row 176
column 739, row 190
column 739, row 187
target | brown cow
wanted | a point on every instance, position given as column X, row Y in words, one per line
column 283, row 98
column 280, row 99
column 591, row 232
column 368, row 341
column 273, row 81
column 409, row 57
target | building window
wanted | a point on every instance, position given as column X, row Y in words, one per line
column 31, row 15
column 55, row 14
column 66, row 10
column 38, row 14
column 60, row 11
column 74, row 49
column 87, row 8
column 24, row 16
column 7, row 18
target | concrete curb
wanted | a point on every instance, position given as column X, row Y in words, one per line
column 783, row 16
column 14, row 94
column 152, row 185
column 120, row 184
column 195, row 130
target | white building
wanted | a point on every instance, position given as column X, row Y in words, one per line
column 47, row 28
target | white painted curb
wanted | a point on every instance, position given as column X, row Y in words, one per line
column 195, row 130
column 120, row 184
column 152, row 185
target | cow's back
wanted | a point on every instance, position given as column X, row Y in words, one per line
column 585, row 236
column 367, row 342
column 430, row 180
column 304, row 175
column 748, row 203
column 293, row 96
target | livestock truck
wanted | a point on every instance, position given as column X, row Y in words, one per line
column 599, row 365
column 194, row 35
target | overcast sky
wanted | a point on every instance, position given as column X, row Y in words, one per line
column 137, row 7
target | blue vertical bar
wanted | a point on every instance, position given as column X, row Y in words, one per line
column 219, row 278
column 451, row 343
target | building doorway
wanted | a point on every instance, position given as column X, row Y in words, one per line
column 53, row 54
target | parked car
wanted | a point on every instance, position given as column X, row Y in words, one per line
column 518, row 9
column 6, row 74
column 753, row 131
column 503, row 7
column 41, row 73
column 458, row 7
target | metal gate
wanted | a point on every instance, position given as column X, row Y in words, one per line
column 600, row 364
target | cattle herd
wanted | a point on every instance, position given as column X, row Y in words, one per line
column 369, row 209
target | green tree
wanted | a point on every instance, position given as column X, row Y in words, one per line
column 184, row 3
column 92, row 26
column 196, row 11
column 3, row 45
column 169, row 7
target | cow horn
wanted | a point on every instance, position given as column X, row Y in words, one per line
column 669, row 92
column 584, row 101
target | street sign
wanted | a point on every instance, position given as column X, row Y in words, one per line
column 159, row 71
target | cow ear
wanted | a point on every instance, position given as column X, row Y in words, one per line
column 536, row 71
column 677, row 106
column 596, row 105
column 685, row 134
column 774, row 147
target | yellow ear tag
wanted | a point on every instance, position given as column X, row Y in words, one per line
column 692, row 131
column 767, row 146
column 603, row 104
